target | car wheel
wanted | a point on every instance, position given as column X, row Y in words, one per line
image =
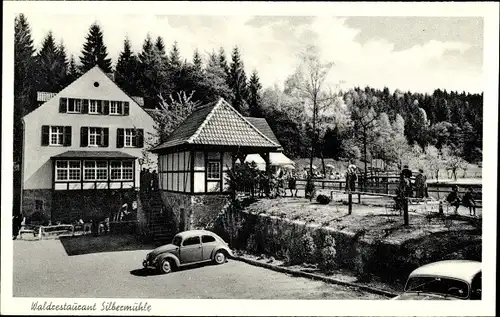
column 165, row 266
column 220, row 257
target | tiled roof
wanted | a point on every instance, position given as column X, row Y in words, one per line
column 263, row 126
column 44, row 96
column 217, row 123
column 95, row 154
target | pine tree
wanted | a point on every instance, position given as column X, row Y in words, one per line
column 160, row 46
column 254, row 87
column 197, row 62
column 24, row 97
column 94, row 51
column 174, row 59
column 152, row 74
column 127, row 71
column 238, row 81
column 223, row 61
column 73, row 72
column 49, row 67
column 63, row 64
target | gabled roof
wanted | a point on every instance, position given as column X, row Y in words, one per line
column 217, row 123
column 263, row 126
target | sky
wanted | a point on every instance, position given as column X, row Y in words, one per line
column 419, row 54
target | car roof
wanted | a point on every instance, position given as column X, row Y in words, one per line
column 190, row 233
column 459, row 269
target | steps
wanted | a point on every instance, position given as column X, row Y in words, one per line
column 160, row 226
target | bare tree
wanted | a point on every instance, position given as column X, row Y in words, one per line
column 307, row 84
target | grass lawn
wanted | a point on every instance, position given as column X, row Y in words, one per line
column 378, row 222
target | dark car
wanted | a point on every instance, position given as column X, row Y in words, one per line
column 188, row 247
column 444, row 280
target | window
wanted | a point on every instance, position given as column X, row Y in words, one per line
column 93, row 106
column 68, row 170
column 56, row 135
column 213, row 170
column 38, row 205
column 191, row 241
column 122, row 170
column 207, row 239
column 94, row 136
column 129, row 137
column 95, row 170
column 74, row 105
column 115, row 107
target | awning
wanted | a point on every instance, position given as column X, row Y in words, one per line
column 93, row 155
column 280, row 159
column 261, row 164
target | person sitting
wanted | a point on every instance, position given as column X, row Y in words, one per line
column 469, row 202
column 453, row 199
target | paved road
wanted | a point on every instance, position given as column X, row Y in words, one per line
column 43, row 269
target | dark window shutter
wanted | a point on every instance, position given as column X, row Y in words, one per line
column 120, row 135
column 105, row 108
column 99, row 106
column 140, row 138
column 84, row 136
column 85, row 106
column 45, row 135
column 126, row 108
column 67, row 136
column 63, row 105
column 105, row 137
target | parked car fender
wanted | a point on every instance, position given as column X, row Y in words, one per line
column 226, row 250
column 169, row 256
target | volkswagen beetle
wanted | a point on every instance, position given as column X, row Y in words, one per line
column 444, row 280
column 188, row 247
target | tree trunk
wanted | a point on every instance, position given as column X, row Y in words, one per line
column 323, row 163
column 364, row 154
column 313, row 143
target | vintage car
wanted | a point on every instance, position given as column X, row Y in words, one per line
column 188, row 247
column 444, row 280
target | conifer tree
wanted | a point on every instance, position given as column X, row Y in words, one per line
column 73, row 72
column 223, row 61
column 160, row 46
column 49, row 66
column 197, row 62
column 254, row 87
column 94, row 51
column 174, row 58
column 127, row 71
column 238, row 81
column 62, row 71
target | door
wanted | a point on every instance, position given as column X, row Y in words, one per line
column 191, row 250
column 209, row 243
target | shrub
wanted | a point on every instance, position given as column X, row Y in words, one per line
column 309, row 248
column 323, row 199
column 252, row 244
column 328, row 254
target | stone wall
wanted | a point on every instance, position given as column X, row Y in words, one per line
column 30, row 196
column 192, row 211
column 389, row 260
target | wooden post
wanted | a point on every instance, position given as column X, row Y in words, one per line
column 350, row 203
column 405, row 211
column 265, row 156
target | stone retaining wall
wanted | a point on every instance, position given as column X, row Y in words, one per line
column 389, row 260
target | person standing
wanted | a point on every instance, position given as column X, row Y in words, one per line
column 292, row 184
column 420, row 184
column 406, row 175
column 154, row 181
column 351, row 177
column 470, row 202
column 453, row 199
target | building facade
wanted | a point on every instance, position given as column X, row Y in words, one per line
column 83, row 145
column 194, row 161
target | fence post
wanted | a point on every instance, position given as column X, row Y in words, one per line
column 350, row 203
